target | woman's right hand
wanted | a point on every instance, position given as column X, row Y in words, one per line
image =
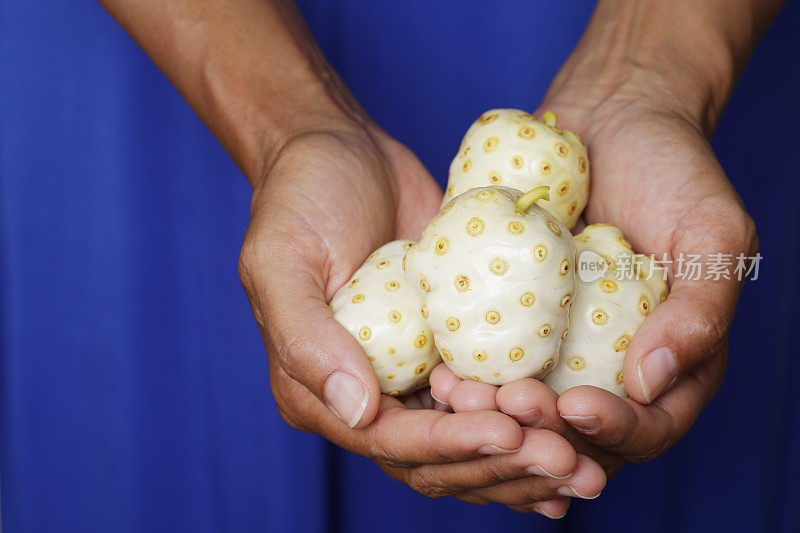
column 328, row 200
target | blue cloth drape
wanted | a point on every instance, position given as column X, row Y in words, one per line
column 133, row 392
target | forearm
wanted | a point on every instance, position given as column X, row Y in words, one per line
column 249, row 68
column 687, row 51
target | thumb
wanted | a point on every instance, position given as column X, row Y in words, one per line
column 286, row 292
column 690, row 326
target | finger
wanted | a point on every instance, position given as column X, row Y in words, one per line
column 532, row 403
column 555, row 508
column 642, row 432
column 408, row 437
column 287, row 295
column 542, row 453
column 442, row 381
column 469, row 395
column 692, row 323
column 586, row 482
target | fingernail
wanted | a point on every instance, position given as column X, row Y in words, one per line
column 437, row 399
column 541, row 511
column 657, row 371
column 491, row 449
column 532, row 417
column 569, row 490
column 586, row 424
column 346, row 397
column 537, row 470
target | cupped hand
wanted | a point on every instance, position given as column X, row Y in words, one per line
column 654, row 176
column 328, row 200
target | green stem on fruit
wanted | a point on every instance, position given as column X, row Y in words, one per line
column 539, row 193
column 550, row 118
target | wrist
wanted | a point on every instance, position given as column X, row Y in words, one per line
column 648, row 53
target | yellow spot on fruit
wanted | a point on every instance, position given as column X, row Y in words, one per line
column 547, row 364
column 492, row 317
column 545, row 330
column 383, row 264
column 358, row 298
column 486, row 119
column 424, row 285
column 408, row 245
column 599, row 317
column 446, row 355
column 608, row 285
column 364, row 334
column 496, row 374
column 498, row 267
column 564, row 335
column 625, row 243
column 563, row 188
column 545, row 168
column 467, row 165
column 622, row 343
column 401, row 363
column 390, row 377
column 540, row 252
column 475, row 226
column 452, row 323
column 573, row 206
column 392, row 285
column 355, row 280
column 424, row 311
column 440, row 248
column 552, row 226
column 527, row 299
column 563, row 269
column 494, row 177
column 576, row 363
column 618, row 377
column 392, row 351
column 421, row 340
column 420, row 369
column 450, row 191
column 516, row 227
column 395, row 316
column 394, row 393
column 562, row 150
column 644, row 305
column 516, row 161
column 490, row 144
column 582, row 166
column 461, row 283
column 476, row 378
column 485, row 195
column 566, row 300
column 516, row 354
column 371, row 357
column 526, row 132
column 479, row 356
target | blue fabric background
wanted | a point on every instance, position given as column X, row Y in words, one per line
column 133, row 391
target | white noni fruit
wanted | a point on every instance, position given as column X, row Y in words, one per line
column 497, row 275
column 616, row 291
column 508, row 147
column 381, row 310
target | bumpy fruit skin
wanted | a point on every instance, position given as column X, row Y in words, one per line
column 606, row 312
column 508, row 147
column 381, row 310
column 497, row 285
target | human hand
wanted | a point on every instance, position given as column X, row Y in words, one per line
column 654, row 176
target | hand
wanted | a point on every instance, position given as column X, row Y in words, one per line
column 328, row 200
column 655, row 176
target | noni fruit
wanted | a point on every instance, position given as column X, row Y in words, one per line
column 616, row 291
column 508, row 147
column 381, row 310
column 496, row 272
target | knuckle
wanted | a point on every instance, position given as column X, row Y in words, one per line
column 427, row 484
